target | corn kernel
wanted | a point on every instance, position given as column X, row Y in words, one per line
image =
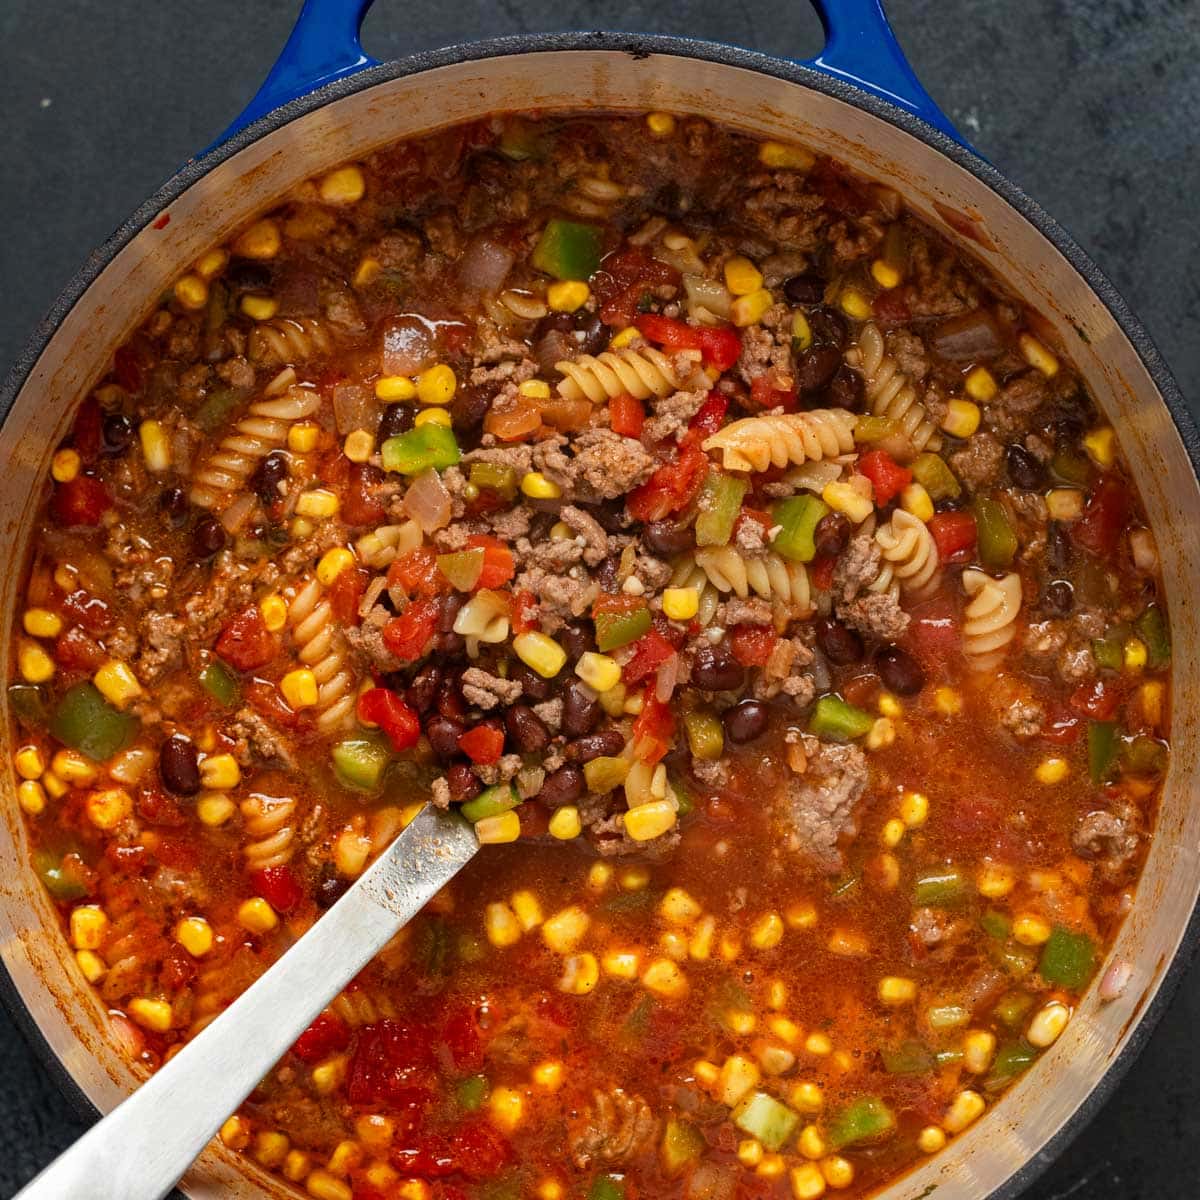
column 581, row 973
column 64, row 466
column 433, row 416
column 1031, row 930
column 215, row 809
column 259, row 308
column 882, row 734
column 117, row 683
column 437, row 385
column 526, row 908
column 155, row 1015
column 346, row 1157
column 806, row 1097
column 108, row 808
column 621, row 964
column 346, row 185
column 810, row 1143
column 854, row 304
column 1064, row 504
column 548, row 1075
column 660, row 124
column 807, row 1182
column 565, row 929
column 273, row 610
column 931, row 1139
column 599, row 876
column 91, row 964
column 664, row 978
column 845, row 498
column 648, row 821
column 1048, row 1023
column 367, row 271
column 895, row 990
column 567, row 295
column 706, row 1074
column 749, row 310
column 885, row 274
column 256, row 915
column 981, row 385
column 270, row 1148
column 566, row 824
column 962, row 418
column 328, row 1075
column 1134, row 655
column 31, row 796
column 767, row 932
column 497, row 830
column 1150, row 697
column 785, row 156
column 916, row 500
column 679, row 907
column 35, row 665
column 801, row 915
column 506, row 1107
column 540, row 653
column 359, row 446
column 235, row 1133
column 260, row 241
column 1037, row 355
column 947, row 701
column 321, row 1185
column 777, row 994
column 1051, row 770
column 535, row 389
column 89, row 924
column 195, row 935
column 302, row 437
column 818, row 1044
column 501, row 925
column 295, row 1166
column 319, row 502
column 967, row 1107
column 549, row 1189
column 742, row 277
column 914, row 809
column 750, row 1152
column 192, row 292
column 979, row 1047
column 598, row 671
column 740, row 1022
column 391, row 389
column 995, row 880
column 211, row 264
column 838, row 1171
column 29, row 762
column 333, row 563
column 738, row 1075
column 41, row 622
column 55, row 786
column 537, row 487
column 1101, row 445
column 680, row 603
column 220, row 772
column 700, row 946
column 772, row 1166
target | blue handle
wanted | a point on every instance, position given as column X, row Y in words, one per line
column 860, row 49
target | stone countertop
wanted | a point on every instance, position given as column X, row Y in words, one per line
column 1092, row 106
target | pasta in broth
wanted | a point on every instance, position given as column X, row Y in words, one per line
column 749, row 568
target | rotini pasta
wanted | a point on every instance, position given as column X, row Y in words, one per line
column 321, row 648
column 989, row 622
column 263, row 429
column 358, row 1006
column 641, row 372
column 909, row 550
column 364, row 838
column 289, row 340
column 688, row 573
column 270, row 825
column 772, row 577
column 756, row 443
column 890, row 393
column 382, row 546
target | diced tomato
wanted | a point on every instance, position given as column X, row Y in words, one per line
column 75, row 651
column 624, row 279
column 709, row 418
column 178, row 969
column 752, row 644
column 771, row 390
column 93, row 614
column 654, row 729
column 461, row 1037
column 383, row 707
column 278, row 887
column 155, row 807
column 499, row 566
column 80, row 501
column 325, row 1036
column 86, row 433
column 264, row 698
column 1061, row 726
column 524, row 612
column 1099, row 529
column 388, row 1059
column 346, row 592
column 650, row 651
column 408, row 635
column 360, row 503
column 668, row 332
column 417, row 573
column 891, row 307
column 246, row 643
column 821, row 571
column 476, row 1150
column 887, row 476
column 626, row 415
column 933, row 633
column 954, row 534
column 720, row 346
column 672, row 487
column 483, row 744
column 1098, row 699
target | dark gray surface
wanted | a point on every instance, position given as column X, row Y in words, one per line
column 1093, row 106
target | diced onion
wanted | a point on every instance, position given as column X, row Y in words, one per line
column 707, row 293
column 427, row 501
column 813, row 476
column 1143, row 549
column 665, row 680
column 354, row 407
column 1116, row 979
column 484, row 265
column 968, row 337
column 408, row 345
column 234, row 517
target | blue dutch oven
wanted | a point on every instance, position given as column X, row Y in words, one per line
column 326, row 101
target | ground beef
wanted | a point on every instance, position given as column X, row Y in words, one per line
column 612, row 1130
column 746, row 612
column 751, row 539
column 440, row 792
column 595, row 540
column 941, row 285
column 502, row 771
column 256, row 741
column 1067, row 643
column 653, row 572
column 550, row 712
column 671, row 416
column 876, row 615
column 519, row 457
column 936, row 927
column 782, row 206
column 605, row 465
column 367, row 639
column 491, row 345
column 909, row 352
column 1016, row 402
column 561, row 598
column 228, row 589
column 604, row 825
column 767, row 347
column 554, row 555
column 1023, row 718
column 400, row 251
column 818, row 806
column 509, row 524
column 162, row 646
column 1106, row 836
column 506, row 371
column 856, row 568
column 978, row 463
column 237, row 373
column 485, row 690
column 711, row 772
column 785, row 671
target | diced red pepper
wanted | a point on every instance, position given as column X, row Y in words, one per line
column 719, row 346
column 650, row 651
column 264, row 698
column 360, row 503
column 672, row 487
column 461, row 1037
column 346, row 592
column 383, row 707
column 654, row 729
column 86, row 610
column 1098, row 699
column 773, row 390
column 954, row 534
column 80, row 501
column 626, row 415
column 1099, row 529
column 408, row 635
column 752, row 644
column 499, row 566
column 1061, row 726
column 887, row 476
column 524, row 612
column 821, row 571
column 278, row 887
column 708, row 419
column 246, row 643
column 417, row 573
column 75, row 651
column 484, row 744
column 387, row 1060
column 477, row 1151
column 325, row 1036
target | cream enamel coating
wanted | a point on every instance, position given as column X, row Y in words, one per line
column 36, row 955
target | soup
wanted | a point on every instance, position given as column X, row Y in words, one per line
column 749, row 567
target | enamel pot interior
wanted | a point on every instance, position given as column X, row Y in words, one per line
column 766, row 97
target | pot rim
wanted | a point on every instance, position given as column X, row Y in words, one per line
column 644, row 46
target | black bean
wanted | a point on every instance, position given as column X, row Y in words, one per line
column 1023, row 469
column 179, row 766
column 668, row 538
column 449, row 645
column 816, row 367
column 606, row 573
column 563, row 786
column 448, row 611
column 330, row 890
column 208, row 537
column 533, row 685
column 450, row 700
column 715, row 669
column 900, row 672
column 116, row 433
column 745, row 721
column 840, row 644
column 422, row 692
column 581, row 710
column 609, row 515
column 527, row 730
column 591, row 333
column 396, row 419
column 845, row 390
column 1058, row 547
column 832, row 533
column 469, row 406
column 555, row 322
column 173, row 504
column 828, row 328
column 804, row 289
column 576, row 639
column 249, row 276
column 464, row 783
column 606, row 743
column 1059, row 598
column 270, row 473
column 443, row 734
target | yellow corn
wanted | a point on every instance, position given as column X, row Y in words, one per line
column 807, row 1182
column 1051, row 770
column 195, row 935
column 1134, row 655
column 680, row 604
column 1048, row 1023
column 581, row 973
column 117, row 683
column 31, row 796
column 740, row 1022
column 527, row 909
column 327, row 1076
column 700, row 946
column 565, row 929
column 962, row 418
column 885, row 274
column 211, row 264
column 260, row 241
column 838, row 1171
column 433, row 416
column 394, row 388
column 494, row 831
column 368, row 270
column 321, row 1185
column 599, row 876
column 738, row 1075
column 749, row 1152
column 506, row 1107
column 256, row 915
column 299, row 688
column 649, row 821
column 540, row 653
column 346, row 185
column 91, row 964
column 806, row 1097
column 802, row 336
column 995, row 881
column 660, row 124
column 767, row 931
column 501, row 925
column 220, row 772
column 359, row 446
column 55, row 787
column 296, row 1166
column 947, row 701
column 981, row 385
column 749, row 310
column 567, row 295
column 436, row 385
column 810, row 1143
column 916, row 500
column 89, row 924
column 29, row 762
column 621, row 964
column 598, row 671
column 536, row 389
column 319, row 502
column 966, row 1107
column 895, row 990
column 566, row 823
column 818, row 1044
column 155, row 1015
column 679, row 907
column 1031, row 930
column 346, row 1157
column 270, row 1148
column 215, row 809
column 882, row 734
column 1037, row 355
column 785, row 156
column 801, row 915
column 41, row 622
column 1064, row 504
column 854, row 304
column 742, row 277
column 106, row 809
column 259, row 308
column 931, row 1139
column 1151, row 696
column 772, row 1166
column 1101, row 445
column 979, row 1046
column 274, row 612
column 664, row 978
column 537, row 487
column 845, row 498
column 302, row 437
column 706, row 1074
column 914, row 809
column 333, row 563
column 64, row 466
column 35, row 665
column 192, row 292
column 548, row 1075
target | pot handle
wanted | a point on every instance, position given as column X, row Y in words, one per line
column 861, row 49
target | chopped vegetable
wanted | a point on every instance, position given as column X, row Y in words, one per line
column 908, row 1058
column 864, row 1120
column 797, row 517
column 28, row 705
column 360, row 762
column 934, row 475
column 86, row 722
column 833, row 718
column 1012, row 1059
column 385, row 708
column 705, row 735
column 1107, row 651
column 607, row 1187
column 719, row 502
column 1143, row 755
column 493, row 477
column 887, row 476
column 471, row 1092
column 876, row 429
column 61, row 876
column 219, row 683
column 997, row 538
column 568, row 249
column 428, row 445
column 1103, row 748
column 1067, row 958
column 940, row 889
column 763, row 1117
column 682, row 1144
column 462, row 568
column 1152, row 629
column 616, row 629
column 491, row 802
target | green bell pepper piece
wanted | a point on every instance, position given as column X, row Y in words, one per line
column 833, row 718
column 719, row 503
column 940, row 889
column 1012, row 1059
column 682, row 1143
column 604, row 773
column 1107, row 652
column 616, row 629
column 1012, row 1008
column 1152, row 629
column 471, row 1092
column 763, row 1117
column 875, row 429
column 494, row 477
column 59, row 880
column 908, row 1058
column 521, row 140
column 462, row 568
column 1144, row 755
column 360, row 762
column 705, row 735
column 217, row 408
column 1013, row 958
column 1072, row 466
column 997, row 539
column 568, row 250
column 27, row 702
column 683, row 795
column 863, row 1120
column 798, row 517
column 420, row 449
column 1103, row 748
column 995, row 924
column 933, row 473
column 1068, row 959
column 220, row 683
column 606, row 1187
column 491, row 802
column 86, row 722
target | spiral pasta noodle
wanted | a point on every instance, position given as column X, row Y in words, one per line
column 689, row 574
column 358, row 1006
column 756, row 443
column 907, row 546
column 289, row 340
column 890, row 393
column 382, row 546
column 364, row 838
column 989, row 621
column 264, row 428
column 772, row 577
column 321, row 648
column 270, row 825
column 640, row 372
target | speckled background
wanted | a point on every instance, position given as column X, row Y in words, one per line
column 1093, row 106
